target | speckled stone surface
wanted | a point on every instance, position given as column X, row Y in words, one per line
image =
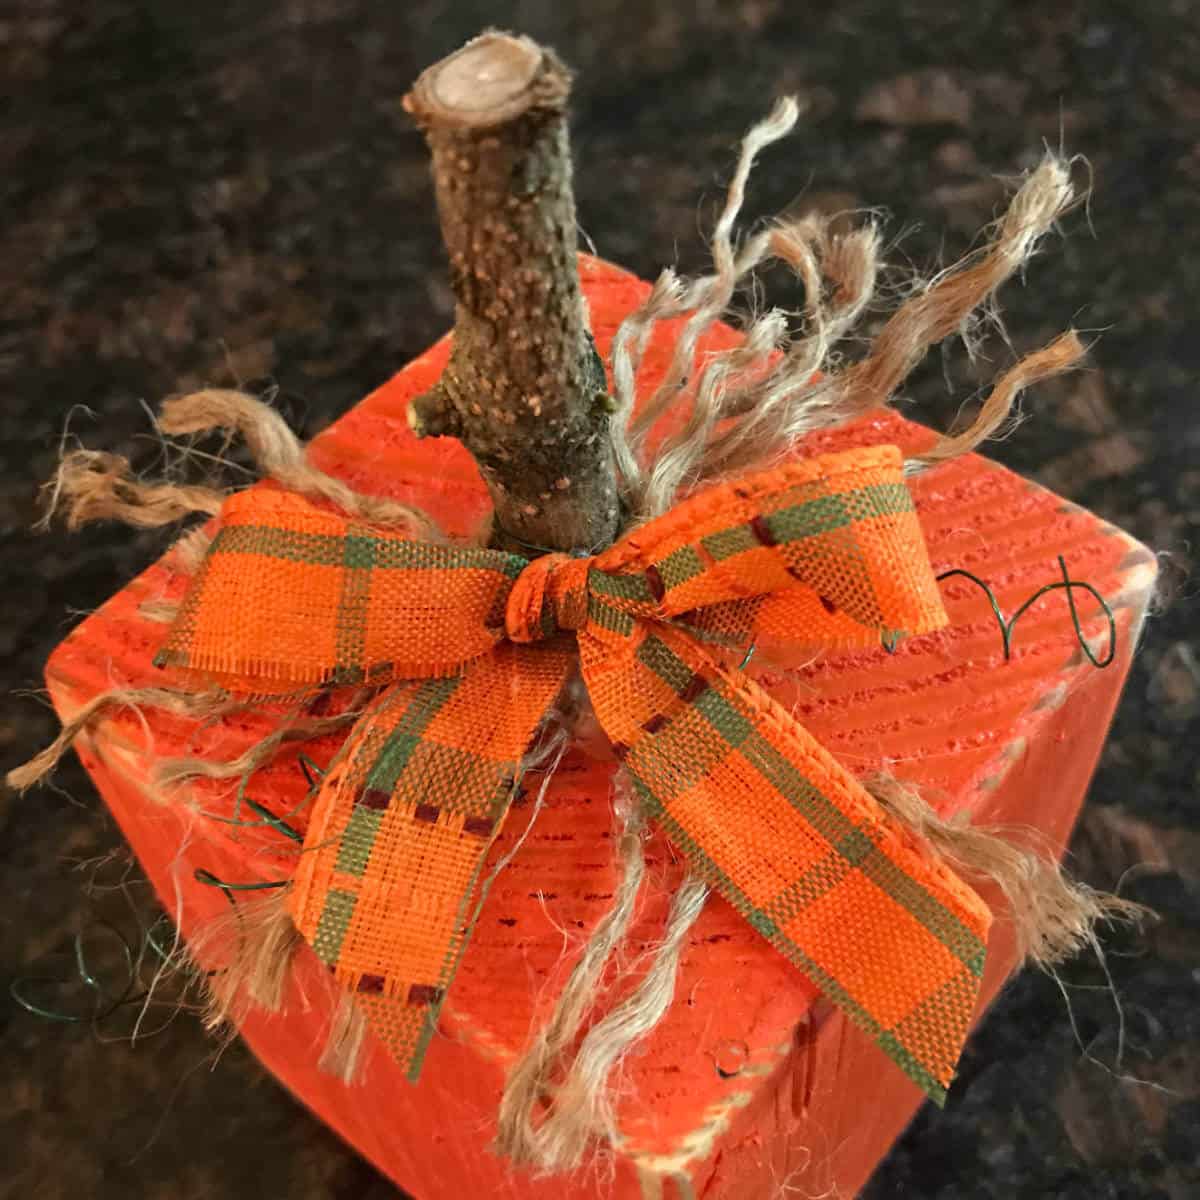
column 228, row 193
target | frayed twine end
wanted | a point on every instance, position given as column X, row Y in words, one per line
column 92, row 485
column 342, row 1055
column 196, row 706
column 1053, row 916
column 749, row 405
column 251, row 947
column 281, row 456
column 524, row 1134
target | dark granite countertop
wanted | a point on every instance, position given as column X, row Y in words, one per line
column 226, row 192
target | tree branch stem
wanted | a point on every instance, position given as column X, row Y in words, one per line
column 524, row 389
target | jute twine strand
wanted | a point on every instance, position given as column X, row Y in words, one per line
column 93, row 486
column 582, row 1112
column 746, row 410
column 997, row 410
column 171, row 772
column 193, row 705
column 281, row 456
column 518, row 1134
column 252, row 944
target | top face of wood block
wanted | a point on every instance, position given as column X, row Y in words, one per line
column 945, row 711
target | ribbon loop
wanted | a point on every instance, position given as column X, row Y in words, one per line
column 294, row 596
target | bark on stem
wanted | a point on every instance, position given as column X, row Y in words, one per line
column 524, row 389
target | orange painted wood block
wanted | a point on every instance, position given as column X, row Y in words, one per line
column 753, row 1081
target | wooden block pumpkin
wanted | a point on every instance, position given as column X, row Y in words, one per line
column 753, row 1081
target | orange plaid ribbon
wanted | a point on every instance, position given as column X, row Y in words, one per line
column 474, row 645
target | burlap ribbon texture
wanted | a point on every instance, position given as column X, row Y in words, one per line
column 471, row 647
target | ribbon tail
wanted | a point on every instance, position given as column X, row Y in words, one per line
column 774, row 823
column 398, row 842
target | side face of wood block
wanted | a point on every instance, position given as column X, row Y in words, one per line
column 753, row 1081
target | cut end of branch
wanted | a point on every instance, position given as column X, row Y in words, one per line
column 493, row 79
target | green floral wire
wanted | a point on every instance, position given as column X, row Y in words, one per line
column 150, row 938
column 312, row 773
column 200, row 875
column 18, row 988
column 269, row 819
column 1064, row 584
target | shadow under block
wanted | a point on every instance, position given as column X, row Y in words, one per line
column 753, row 1081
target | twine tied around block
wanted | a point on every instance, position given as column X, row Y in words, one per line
column 744, row 409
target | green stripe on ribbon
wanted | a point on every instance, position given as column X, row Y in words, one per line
column 878, row 500
column 332, row 925
column 811, row 519
column 836, row 828
column 608, row 618
column 358, row 840
column 387, row 554
column 665, row 663
column 423, row 705
column 358, row 561
column 679, row 566
column 621, row 587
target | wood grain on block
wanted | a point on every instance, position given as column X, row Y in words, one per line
column 753, row 1081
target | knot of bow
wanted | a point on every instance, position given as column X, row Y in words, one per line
column 825, row 552
column 550, row 596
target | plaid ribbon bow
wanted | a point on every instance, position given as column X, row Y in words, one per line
column 474, row 645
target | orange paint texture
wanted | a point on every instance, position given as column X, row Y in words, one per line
column 752, row 1082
